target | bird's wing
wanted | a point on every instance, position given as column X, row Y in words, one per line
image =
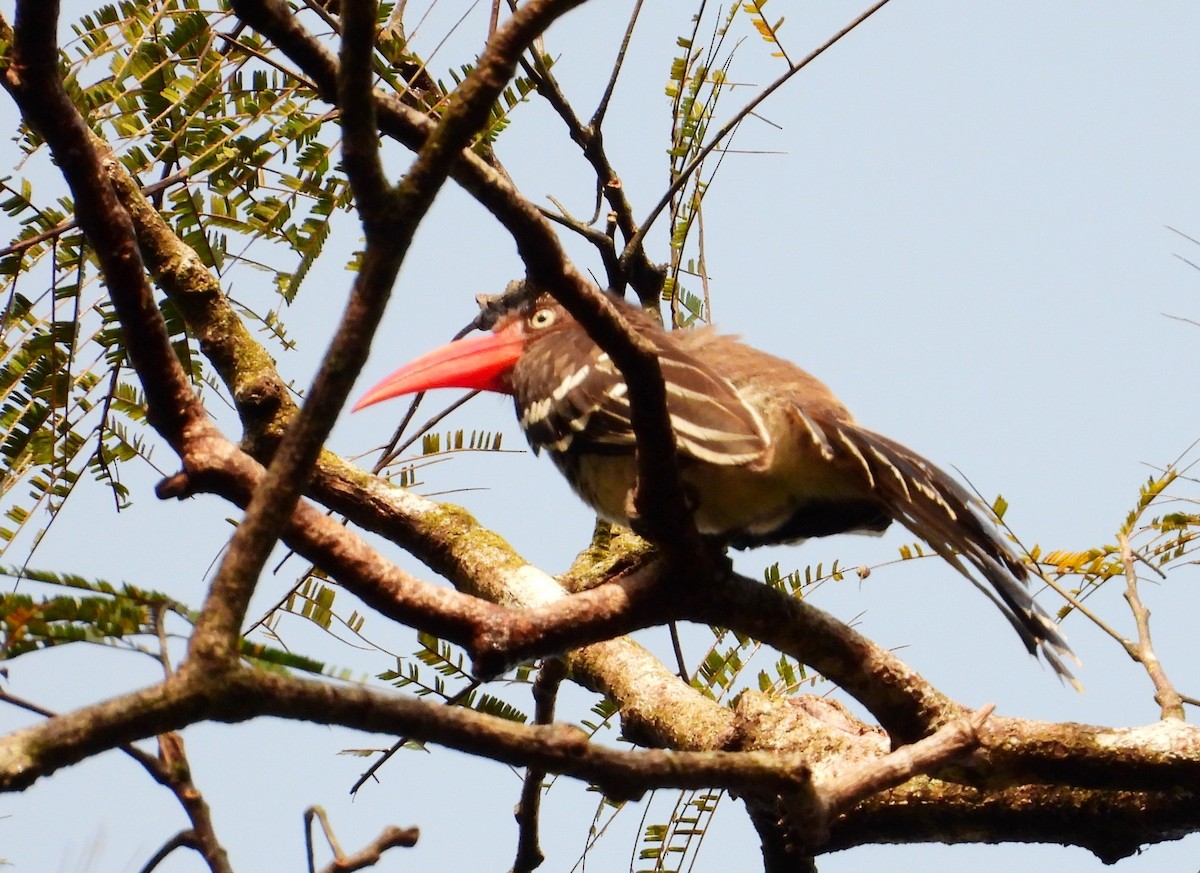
column 587, row 406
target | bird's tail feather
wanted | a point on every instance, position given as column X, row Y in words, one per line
column 935, row 507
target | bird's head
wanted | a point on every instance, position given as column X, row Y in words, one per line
column 479, row 362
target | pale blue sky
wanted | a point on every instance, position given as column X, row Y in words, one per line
column 960, row 224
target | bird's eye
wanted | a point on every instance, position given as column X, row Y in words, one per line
column 543, row 318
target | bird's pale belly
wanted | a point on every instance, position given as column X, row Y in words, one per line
column 728, row 502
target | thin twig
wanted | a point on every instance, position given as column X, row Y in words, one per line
column 370, row 854
column 1078, row 604
column 400, row 743
column 1165, row 695
column 185, row 839
column 69, row 223
column 638, row 270
column 618, row 64
column 634, row 244
column 545, row 695
column 318, row 813
column 677, row 645
column 169, row 769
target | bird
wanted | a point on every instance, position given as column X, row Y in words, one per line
column 767, row 453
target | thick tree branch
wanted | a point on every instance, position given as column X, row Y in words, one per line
column 263, row 401
column 241, row 694
column 1027, row 781
column 390, row 226
column 170, row 769
column 661, row 495
column 217, row 466
column 905, row 703
column 360, row 135
column 1110, row 823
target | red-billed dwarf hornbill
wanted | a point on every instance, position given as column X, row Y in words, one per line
column 766, row 452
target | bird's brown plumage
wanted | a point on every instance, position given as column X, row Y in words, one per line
column 767, row 453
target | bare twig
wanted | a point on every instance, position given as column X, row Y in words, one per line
column 1142, row 651
column 638, row 271
column 634, row 244
column 1079, row 605
column 171, row 770
column 67, row 224
column 368, row 856
column 400, row 743
column 618, row 64
column 545, row 694
column 183, row 840
column 318, row 814
column 394, row 450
